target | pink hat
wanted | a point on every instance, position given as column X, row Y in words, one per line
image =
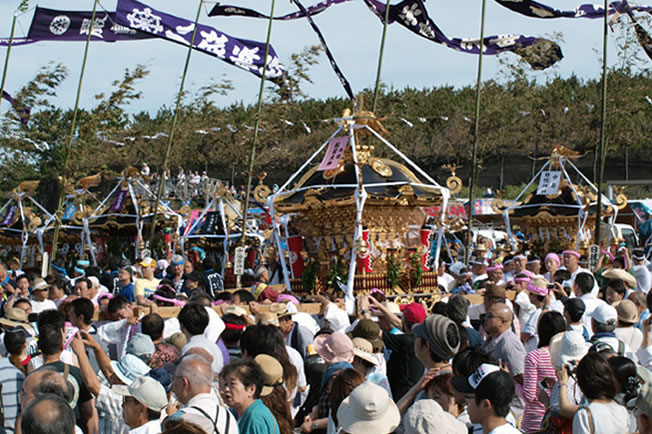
column 333, row 348
column 554, row 257
column 495, row 267
column 285, row 298
column 571, row 252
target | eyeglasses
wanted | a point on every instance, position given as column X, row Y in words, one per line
column 491, row 315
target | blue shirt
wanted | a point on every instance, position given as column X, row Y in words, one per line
column 258, row 419
column 127, row 292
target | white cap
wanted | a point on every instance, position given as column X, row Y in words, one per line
column 605, row 314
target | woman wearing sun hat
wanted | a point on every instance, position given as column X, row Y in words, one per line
column 273, row 393
column 368, row 409
column 364, row 362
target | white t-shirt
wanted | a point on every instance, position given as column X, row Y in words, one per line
column 530, row 327
column 643, row 278
column 505, row 429
column 631, row 336
column 607, row 419
column 526, row 308
column 40, row 306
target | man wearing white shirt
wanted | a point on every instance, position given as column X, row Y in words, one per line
column 144, row 400
column 193, row 320
column 571, row 260
column 582, row 288
column 39, row 298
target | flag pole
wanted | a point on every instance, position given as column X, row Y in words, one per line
column 11, row 41
column 380, row 57
column 252, row 152
column 474, row 154
column 62, row 195
column 152, row 230
column 603, row 120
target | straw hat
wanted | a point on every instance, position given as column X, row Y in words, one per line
column 363, row 349
column 617, row 273
column 267, row 318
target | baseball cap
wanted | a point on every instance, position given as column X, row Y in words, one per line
column 470, row 384
column 457, row 268
column 605, row 314
column 147, row 262
column 413, row 312
column 147, row 391
column 140, row 345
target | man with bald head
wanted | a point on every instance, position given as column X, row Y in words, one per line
column 502, row 342
column 192, row 385
column 43, row 381
column 48, row 414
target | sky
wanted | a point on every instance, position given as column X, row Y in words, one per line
column 352, row 32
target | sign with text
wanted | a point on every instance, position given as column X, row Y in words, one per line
column 549, row 183
column 336, row 148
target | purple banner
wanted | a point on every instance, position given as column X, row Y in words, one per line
column 9, row 217
column 4, row 42
column 331, row 59
column 245, row 54
column 119, row 201
column 535, row 9
column 22, row 111
column 538, row 52
column 55, row 25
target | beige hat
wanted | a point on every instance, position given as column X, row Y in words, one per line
column 39, row 285
column 427, row 416
column 617, row 273
column 178, row 339
column 272, row 371
column 280, row 309
column 368, row 409
column 627, row 312
column 362, row 348
column 234, row 310
column 267, row 318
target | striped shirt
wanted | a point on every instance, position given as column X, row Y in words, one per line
column 537, row 367
column 12, row 383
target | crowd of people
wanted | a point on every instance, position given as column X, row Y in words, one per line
column 161, row 346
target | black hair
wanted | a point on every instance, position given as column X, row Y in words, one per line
column 464, row 335
column 584, row 282
column 165, row 290
column 620, row 261
column 562, row 275
column 617, row 285
column 232, row 336
column 201, row 297
column 195, row 276
column 439, row 308
column 22, row 300
column 194, row 318
column 624, row 371
column 550, row 323
column 85, row 280
column 224, row 295
column 14, row 340
column 152, row 414
column 22, row 276
column 152, row 325
column 498, row 388
column 93, row 271
column 59, row 419
column 245, row 296
column 595, row 378
column 60, row 283
column 117, row 303
column 248, row 372
column 83, row 308
column 467, row 361
column 50, row 339
column 51, row 318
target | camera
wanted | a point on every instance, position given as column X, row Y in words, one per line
column 571, row 365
